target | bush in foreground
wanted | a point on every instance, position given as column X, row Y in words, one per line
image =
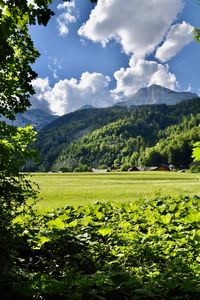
column 143, row 250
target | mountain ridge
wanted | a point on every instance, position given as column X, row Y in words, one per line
column 156, row 94
column 122, row 122
column 35, row 117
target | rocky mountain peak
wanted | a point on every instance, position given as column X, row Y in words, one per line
column 156, row 94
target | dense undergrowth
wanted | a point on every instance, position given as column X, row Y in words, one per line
column 143, row 250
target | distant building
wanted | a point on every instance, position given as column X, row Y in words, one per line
column 100, row 170
column 195, row 164
column 132, row 169
column 172, row 167
column 161, row 168
column 182, row 171
column 143, row 168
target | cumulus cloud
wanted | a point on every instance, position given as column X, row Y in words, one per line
column 139, row 26
column 70, row 94
column 54, row 66
column 42, row 90
column 142, row 73
column 93, row 88
column 63, row 5
column 67, row 17
column 178, row 36
column 189, row 88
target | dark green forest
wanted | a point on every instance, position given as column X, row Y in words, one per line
column 120, row 137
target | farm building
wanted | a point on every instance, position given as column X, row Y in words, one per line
column 161, row 168
column 133, row 169
column 100, row 170
column 195, row 164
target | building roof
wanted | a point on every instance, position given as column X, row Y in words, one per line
column 162, row 166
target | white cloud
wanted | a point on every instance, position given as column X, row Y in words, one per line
column 54, row 66
column 70, row 4
column 138, row 25
column 67, row 17
column 68, row 95
column 42, row 90
column 142, row 73
column 189, row 88
column 178, row 36
column 93, row 88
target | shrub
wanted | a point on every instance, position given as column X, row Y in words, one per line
column 143, row 250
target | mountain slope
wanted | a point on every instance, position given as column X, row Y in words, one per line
column 96, row 136
column 60, row 133
column 156, row 94
column 175, row 144
column 35, row 117
column 125, row 141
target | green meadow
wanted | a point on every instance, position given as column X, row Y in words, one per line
column 58, row 190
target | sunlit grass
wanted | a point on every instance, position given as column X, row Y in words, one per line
column 59, row 190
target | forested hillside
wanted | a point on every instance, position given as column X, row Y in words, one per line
column 121, row 137
column 62, row 132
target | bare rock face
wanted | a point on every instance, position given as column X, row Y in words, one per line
column 156, row 94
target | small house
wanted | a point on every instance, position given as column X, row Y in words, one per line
column 161, row 168
column 172, row 167
column 100, row 170
column 195, row 164
column 132, row 169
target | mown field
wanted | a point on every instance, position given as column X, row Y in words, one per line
column 58, row 190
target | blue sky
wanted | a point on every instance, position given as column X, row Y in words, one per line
column 103, row 54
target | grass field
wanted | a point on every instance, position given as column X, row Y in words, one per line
column 59, row 190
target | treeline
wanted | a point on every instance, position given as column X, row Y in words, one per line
column 120, row 137
column 175, row 145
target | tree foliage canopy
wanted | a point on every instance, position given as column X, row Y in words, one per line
column 17, row 52
column 196, row 151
